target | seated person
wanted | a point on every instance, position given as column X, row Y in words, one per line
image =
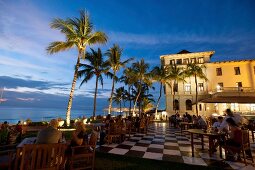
column 215, row 127
column 79, row 136
column 49, row 134
column 235, row 136
column 201, row 123
column 217, row 124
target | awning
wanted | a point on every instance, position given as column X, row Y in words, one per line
column 229, row 99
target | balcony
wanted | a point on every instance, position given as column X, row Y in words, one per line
column 233, row 91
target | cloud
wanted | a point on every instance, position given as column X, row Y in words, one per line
column 3, row 100
column 179, row 37
column 27, row 99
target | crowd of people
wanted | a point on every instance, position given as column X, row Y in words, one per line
column 230, row 124
column 198, row 121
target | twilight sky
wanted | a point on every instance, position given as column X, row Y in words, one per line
column 144, row 29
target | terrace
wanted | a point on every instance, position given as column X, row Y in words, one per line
column 168, row 144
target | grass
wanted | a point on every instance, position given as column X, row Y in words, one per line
column 113, row 162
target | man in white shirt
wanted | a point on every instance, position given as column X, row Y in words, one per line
column 218, row 123
column 229, row 114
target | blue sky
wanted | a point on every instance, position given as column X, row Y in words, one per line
column 144, row 29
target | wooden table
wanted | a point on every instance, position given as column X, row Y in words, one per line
column 185, row 125
column 211, row 136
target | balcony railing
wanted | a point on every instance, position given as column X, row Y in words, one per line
column 233, row 89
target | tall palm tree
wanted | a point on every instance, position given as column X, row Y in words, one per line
column 96, row 67
column 118, row 96
column 79, row 33
column 196, row 71
column 174, row 75
column 143, row 76
column 114, row 60
column 160, row 75
column 129, row 78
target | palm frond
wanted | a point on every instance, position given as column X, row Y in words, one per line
column 58, row 46
column 97, row 37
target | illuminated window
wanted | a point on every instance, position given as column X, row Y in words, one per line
column 234, row 107
column 237, row 70
column 186, row 61
column 179, row 61
column 218, row 72
column 252, row 107
column 193, row 60
column 220, row 86
column 201, row 60
column 187, row 87
column 239, row 84
column 200, row 86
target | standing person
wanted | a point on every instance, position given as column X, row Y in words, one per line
column 49, row 134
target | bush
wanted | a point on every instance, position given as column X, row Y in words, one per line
column 3, row 137
column 38, row 124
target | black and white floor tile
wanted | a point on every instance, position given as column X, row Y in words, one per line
column 166, row 143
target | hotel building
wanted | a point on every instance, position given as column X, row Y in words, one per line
column 231, row 84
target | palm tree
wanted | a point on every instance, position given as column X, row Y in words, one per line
column 196, row 71
column 129, row 78
column 118, row 96
column 143, row 76
column 160, row 75
column 114, row 60
column 79, row 33
column 96, row 67
column 175, row 74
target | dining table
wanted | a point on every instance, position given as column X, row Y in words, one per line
column 186, row 125
column 212, row 135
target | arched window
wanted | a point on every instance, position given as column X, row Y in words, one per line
column 188, row 104
column 176, row 104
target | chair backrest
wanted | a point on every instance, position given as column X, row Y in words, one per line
column 245, row 137
column 42, row 156
column 93, row 138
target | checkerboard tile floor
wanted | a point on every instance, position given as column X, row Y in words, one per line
column 166, row 143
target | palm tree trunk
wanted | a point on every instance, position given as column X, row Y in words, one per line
column 174, row 104
column 160, row 91
column 95, row 99
column 196, row 94
column 113, row 84
column 120, row 107
column 129, row 97
column 70, row 101
column 136, row 99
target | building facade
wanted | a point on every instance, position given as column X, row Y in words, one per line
column 231, row 84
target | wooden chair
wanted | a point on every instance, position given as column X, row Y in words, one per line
column 6, row 152
column 40, row 157
column 83, row 157
column 245, row 146
column 114, row 134
column 143, row 125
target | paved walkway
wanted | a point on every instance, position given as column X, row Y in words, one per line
column 166, row 143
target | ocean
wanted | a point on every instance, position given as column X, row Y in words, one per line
column 14, row 114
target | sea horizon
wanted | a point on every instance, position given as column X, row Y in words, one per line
column 13, row 114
